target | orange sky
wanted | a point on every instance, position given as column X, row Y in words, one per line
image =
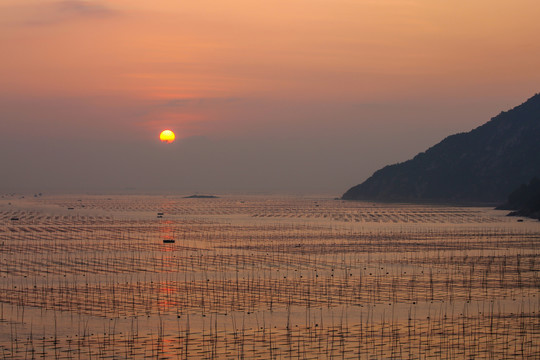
column 211, row 68
column 310, row 49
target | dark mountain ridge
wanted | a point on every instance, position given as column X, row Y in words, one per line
column 525, row 199
column 481, row 166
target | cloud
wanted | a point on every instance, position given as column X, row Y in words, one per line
column 197, row 102
column 83, row 8
column 66, row 10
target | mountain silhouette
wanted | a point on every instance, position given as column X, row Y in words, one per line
column 525, row 199
column 482, row 166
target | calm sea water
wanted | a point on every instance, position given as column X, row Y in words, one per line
column 264, row 277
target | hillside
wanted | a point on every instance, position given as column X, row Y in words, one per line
column 525, row 200
column 481, row 166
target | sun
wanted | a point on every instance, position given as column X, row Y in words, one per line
column 167, row 136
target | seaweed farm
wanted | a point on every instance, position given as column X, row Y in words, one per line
column 252, row 277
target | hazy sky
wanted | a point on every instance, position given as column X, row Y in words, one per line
column 264, row 96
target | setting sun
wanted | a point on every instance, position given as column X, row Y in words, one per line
column 167, row 136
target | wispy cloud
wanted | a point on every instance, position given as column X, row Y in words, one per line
column 198, row 102
column 83, row 8
column 66, row 10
